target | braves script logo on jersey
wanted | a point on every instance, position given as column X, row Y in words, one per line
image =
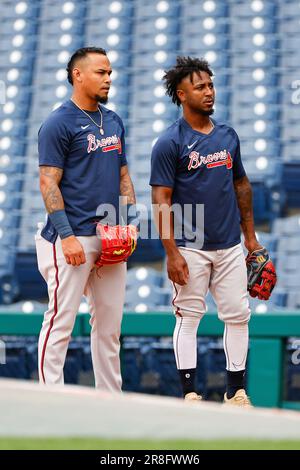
column 107, row 145
column 211, row 161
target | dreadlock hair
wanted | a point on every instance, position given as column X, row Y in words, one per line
column 80, row 54
column 185, row 66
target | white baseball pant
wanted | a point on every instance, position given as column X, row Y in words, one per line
column 224, row 273
column 105, row 292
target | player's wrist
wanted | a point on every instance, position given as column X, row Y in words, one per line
column 252, row 245
column 61, row 224
column 130, row 215
column 172, row 251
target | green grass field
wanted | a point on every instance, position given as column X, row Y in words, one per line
column 102, row 444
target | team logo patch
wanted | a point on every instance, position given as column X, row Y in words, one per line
column 107, row 144
column 210, row 161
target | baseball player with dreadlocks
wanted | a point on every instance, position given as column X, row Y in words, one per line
column 197, row 161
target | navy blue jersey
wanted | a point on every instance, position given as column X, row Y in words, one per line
column 201, row 168
column 91, row 163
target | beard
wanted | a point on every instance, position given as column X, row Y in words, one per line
column 202, row 112
column 209, row 112
column 101, row 99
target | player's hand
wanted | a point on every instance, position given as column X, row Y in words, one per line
column 73, row 251
column 178, row 270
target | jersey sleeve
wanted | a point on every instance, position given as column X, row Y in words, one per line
column 163, row 163
column 53, row 143
column 238, row 168
column 123, row 150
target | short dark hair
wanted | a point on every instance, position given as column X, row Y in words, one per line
column 79, row 54
column 185, row 66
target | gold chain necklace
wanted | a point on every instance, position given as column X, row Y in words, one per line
column 101, row 130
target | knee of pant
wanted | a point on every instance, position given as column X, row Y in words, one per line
column 238, row 315
column 197, row 315
column 109, row 333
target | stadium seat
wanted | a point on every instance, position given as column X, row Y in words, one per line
column 147, row 295
column 104, row 10
column 147, row 26
column 206, row 23
column 289, row 226
column 255, row 24
column 292, row 371
column 143, row 275
column 24, row 10
column 246, row 9
column 56, row 9
column 213, row 9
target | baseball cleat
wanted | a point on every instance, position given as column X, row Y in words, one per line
column 192, row 396
column 239, row 399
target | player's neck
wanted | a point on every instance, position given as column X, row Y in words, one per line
column 84, row 102
column 198, row 122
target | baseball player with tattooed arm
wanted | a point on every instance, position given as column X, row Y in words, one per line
column 83, row 172
column 196, row 162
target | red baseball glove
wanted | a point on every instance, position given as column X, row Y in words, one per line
column 117, row 243
column 261, row 274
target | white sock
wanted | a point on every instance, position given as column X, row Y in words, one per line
column 235, row 341
column 185, row 341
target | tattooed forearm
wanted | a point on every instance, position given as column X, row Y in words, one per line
column 126, row 187
column 49, row 184
column 53, row 199
column 243, row 193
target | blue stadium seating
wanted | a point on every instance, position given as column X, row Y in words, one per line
column 149, row 367
column 195, row 9
column 146, row 26
column 143, row 275
column 289, row 226
column 16, row 364
column 291, row 390
column 257, row 24
column 26, row 10
column 147, row 295
column 131, row 364
column 56, row 9
column 244, row 9
column 215, row 375
column 108, row 9
column 253, row 48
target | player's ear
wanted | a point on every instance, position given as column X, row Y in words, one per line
column 77, row 75
column 181, row 95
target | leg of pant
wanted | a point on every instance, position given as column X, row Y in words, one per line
column 185, row 341
column 229, row 285
column 235, row 341
column 106, row 295
column 65, row 289
column 189, row 308
column 229, row 289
